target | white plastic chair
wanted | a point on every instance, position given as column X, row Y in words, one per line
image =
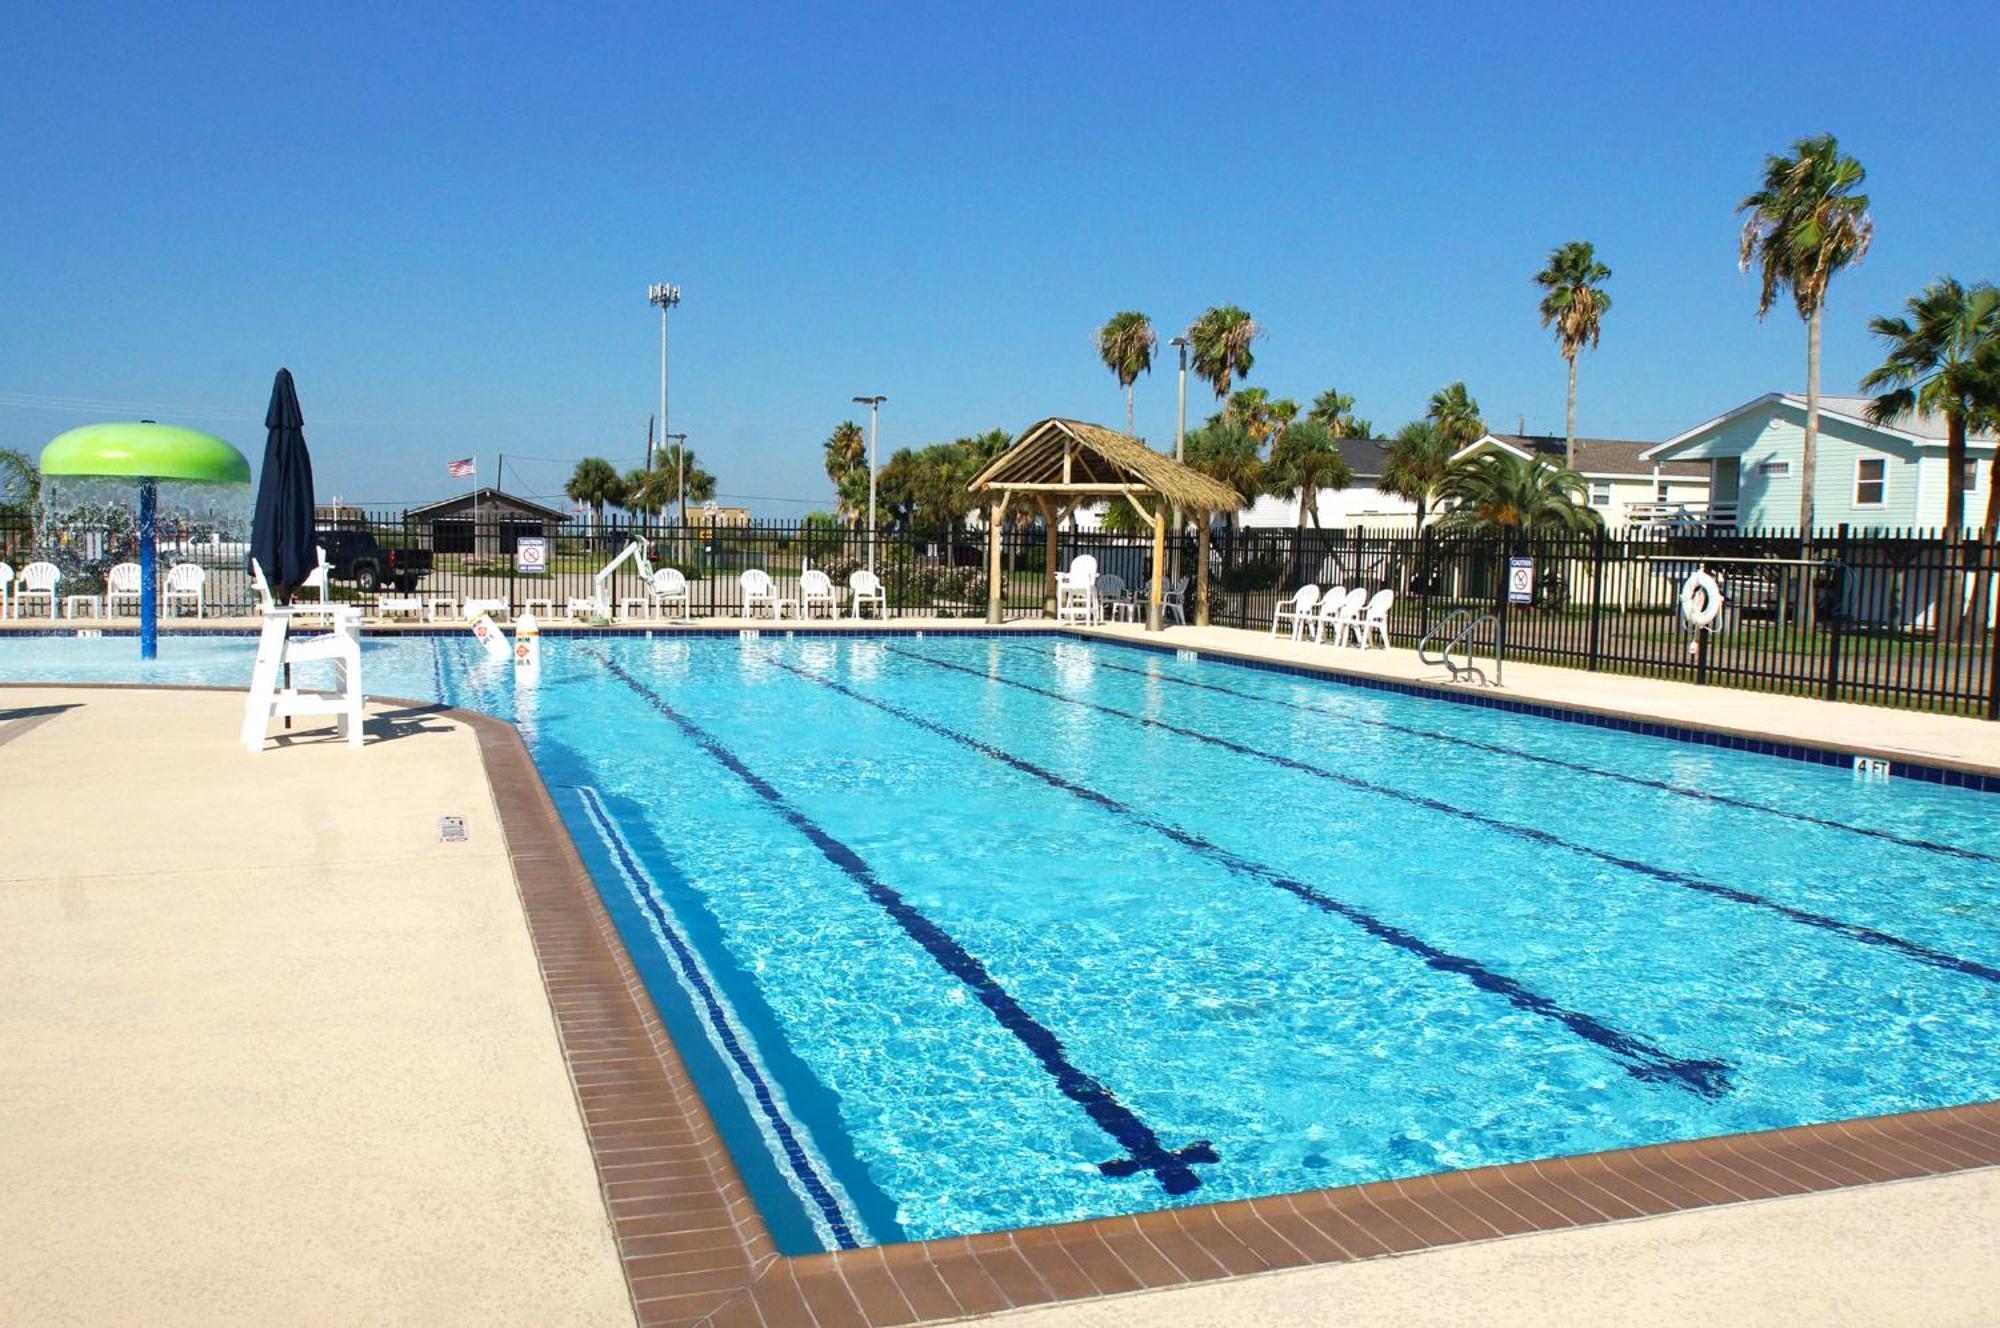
column 665, row 588
column 1076, row 592
column 1375, row 620
column 317, row 578
column 187, row 583
column 122, row 582
column 1297, row 610
column 760, row 593
column 1173, row 598
column 864, row 587
column 1110, row 591
column 6, row 590
column 1349, row 617
column 816, row 592
column 1329, row 610
column 37, row 581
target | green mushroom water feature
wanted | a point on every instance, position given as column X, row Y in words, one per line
column 90, row 472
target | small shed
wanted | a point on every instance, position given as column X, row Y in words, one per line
column 1059, row 463
column 486, row 521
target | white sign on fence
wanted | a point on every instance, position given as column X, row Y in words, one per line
column 531, row 555
column 1520, row 580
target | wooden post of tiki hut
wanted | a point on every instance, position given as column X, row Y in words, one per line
column 1062, row 464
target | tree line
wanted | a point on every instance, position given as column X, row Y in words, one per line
column 1805, row 223
column 676, row 479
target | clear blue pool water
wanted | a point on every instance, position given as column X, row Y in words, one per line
column 963, row 934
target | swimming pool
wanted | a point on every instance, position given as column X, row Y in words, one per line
column 962, row 933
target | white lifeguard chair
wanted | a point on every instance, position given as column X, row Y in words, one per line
column 278, row 646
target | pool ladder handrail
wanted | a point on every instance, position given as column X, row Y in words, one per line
column 1461, row 640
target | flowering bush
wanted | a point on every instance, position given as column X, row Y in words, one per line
column 839, row 567
column 928, row 585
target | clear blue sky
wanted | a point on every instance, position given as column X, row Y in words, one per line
column 444, row 219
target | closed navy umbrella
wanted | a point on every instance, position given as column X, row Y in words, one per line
column 281, row 536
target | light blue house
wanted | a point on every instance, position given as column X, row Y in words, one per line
column 1870, row 477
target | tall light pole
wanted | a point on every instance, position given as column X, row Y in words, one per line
column 1180, row 444
column 680, row 445
column 666, row 296
column 874, row 405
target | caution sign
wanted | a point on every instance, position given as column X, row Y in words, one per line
column 1520, row 580
column 531, row 555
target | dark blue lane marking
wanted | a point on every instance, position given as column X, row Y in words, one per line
column 1144, row 1150
column 721, row 1019
column 1851, row 930
column 1639, row 781
column 1640, row 1059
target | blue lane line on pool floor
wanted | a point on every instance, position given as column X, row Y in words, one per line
column 1143, row 1147
column 1639, row 1058
column 1638, row 781
column 1852, row 930
column 784, row 1138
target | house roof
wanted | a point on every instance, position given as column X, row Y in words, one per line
column 1912, row 426
column 482, row 497
column 1594, row 456
column 1072, row 459
column 1366, row 457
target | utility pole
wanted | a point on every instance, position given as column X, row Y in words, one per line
column 1180, row 444
column 874, row 405
column 679, row 443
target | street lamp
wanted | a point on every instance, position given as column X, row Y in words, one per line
column 874, row 405
column 666, row 296
column 1180, row 444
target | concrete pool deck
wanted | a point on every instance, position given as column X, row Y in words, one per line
column 274, row 1054
column 233, row 1101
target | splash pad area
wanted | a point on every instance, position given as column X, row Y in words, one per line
column 102, row 480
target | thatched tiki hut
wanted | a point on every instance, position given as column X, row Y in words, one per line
column 1059, row 464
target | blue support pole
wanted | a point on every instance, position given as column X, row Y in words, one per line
column 149, row 591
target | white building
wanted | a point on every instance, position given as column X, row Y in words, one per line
column 1628, row 486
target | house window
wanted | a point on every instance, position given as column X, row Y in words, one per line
column 1871, row 481
column 1777, row 469
column 1971, row 476
column 1659, row 491
column 1600, row 493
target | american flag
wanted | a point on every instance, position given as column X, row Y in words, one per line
column 459, row 470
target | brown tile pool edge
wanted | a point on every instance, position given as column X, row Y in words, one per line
column 698, row 1256
column 695, row 1251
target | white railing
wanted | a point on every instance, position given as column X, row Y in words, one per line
column 1681, row 516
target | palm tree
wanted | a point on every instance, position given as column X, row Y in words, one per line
column 661, row 488
column 1944, row 359
column 1456, row 416
column 1335, row 410
column 1415, row 466
column 1306, row 459
column 1221, row 339
column 1224, row 450
column 1498, row 491
column 1126, row 346
column 1804, row 225
column 1250, row 407
column 845, row 452
column 596, row 484
column 1121, row 518
column 1574, row 304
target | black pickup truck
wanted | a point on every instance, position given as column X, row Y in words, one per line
column 356, row 555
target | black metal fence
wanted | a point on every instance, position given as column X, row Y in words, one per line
column 1900, row 618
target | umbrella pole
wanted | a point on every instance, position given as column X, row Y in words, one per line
column 149, row 594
